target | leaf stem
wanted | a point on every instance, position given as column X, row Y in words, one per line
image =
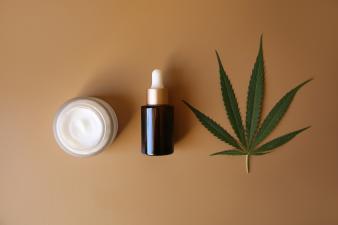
column 247, row 160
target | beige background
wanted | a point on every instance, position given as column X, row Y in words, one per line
column 51, row 51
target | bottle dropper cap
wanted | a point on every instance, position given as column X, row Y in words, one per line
column 157, row 94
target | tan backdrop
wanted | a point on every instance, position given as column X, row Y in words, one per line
column 51, row 51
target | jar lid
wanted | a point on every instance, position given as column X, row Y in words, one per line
column 85, row 126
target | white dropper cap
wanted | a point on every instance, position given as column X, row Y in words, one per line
column 157, row 79
column 157, row 94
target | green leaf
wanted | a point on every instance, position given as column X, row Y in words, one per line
column 266, row 148
column 255, row 96
column 259, row 153
column 213, row 127
column 276, row 114
column 230, row 103
column 229, row 152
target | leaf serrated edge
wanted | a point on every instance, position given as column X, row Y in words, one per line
column 233, row 152
column 217, row 130
column 231, row 103
column 279, row 141
column 254, row 103
column 276, row 114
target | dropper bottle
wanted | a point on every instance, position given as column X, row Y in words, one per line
column 157, row 119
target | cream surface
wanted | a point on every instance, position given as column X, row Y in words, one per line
column 82, row 127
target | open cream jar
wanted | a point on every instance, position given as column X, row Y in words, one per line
column 85, row 126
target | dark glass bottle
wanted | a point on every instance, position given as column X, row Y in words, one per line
column 157, row 120
column 157, row 126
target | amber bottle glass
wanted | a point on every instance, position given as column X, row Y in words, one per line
column 157, row 120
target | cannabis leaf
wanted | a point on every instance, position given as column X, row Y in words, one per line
column 255, row 131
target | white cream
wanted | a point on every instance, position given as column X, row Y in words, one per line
column 85, row 126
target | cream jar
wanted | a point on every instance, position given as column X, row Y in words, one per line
column 85, row 126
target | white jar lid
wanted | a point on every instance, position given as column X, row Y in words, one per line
column 85, row 126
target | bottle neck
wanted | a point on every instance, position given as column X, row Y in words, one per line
column 158, row 96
